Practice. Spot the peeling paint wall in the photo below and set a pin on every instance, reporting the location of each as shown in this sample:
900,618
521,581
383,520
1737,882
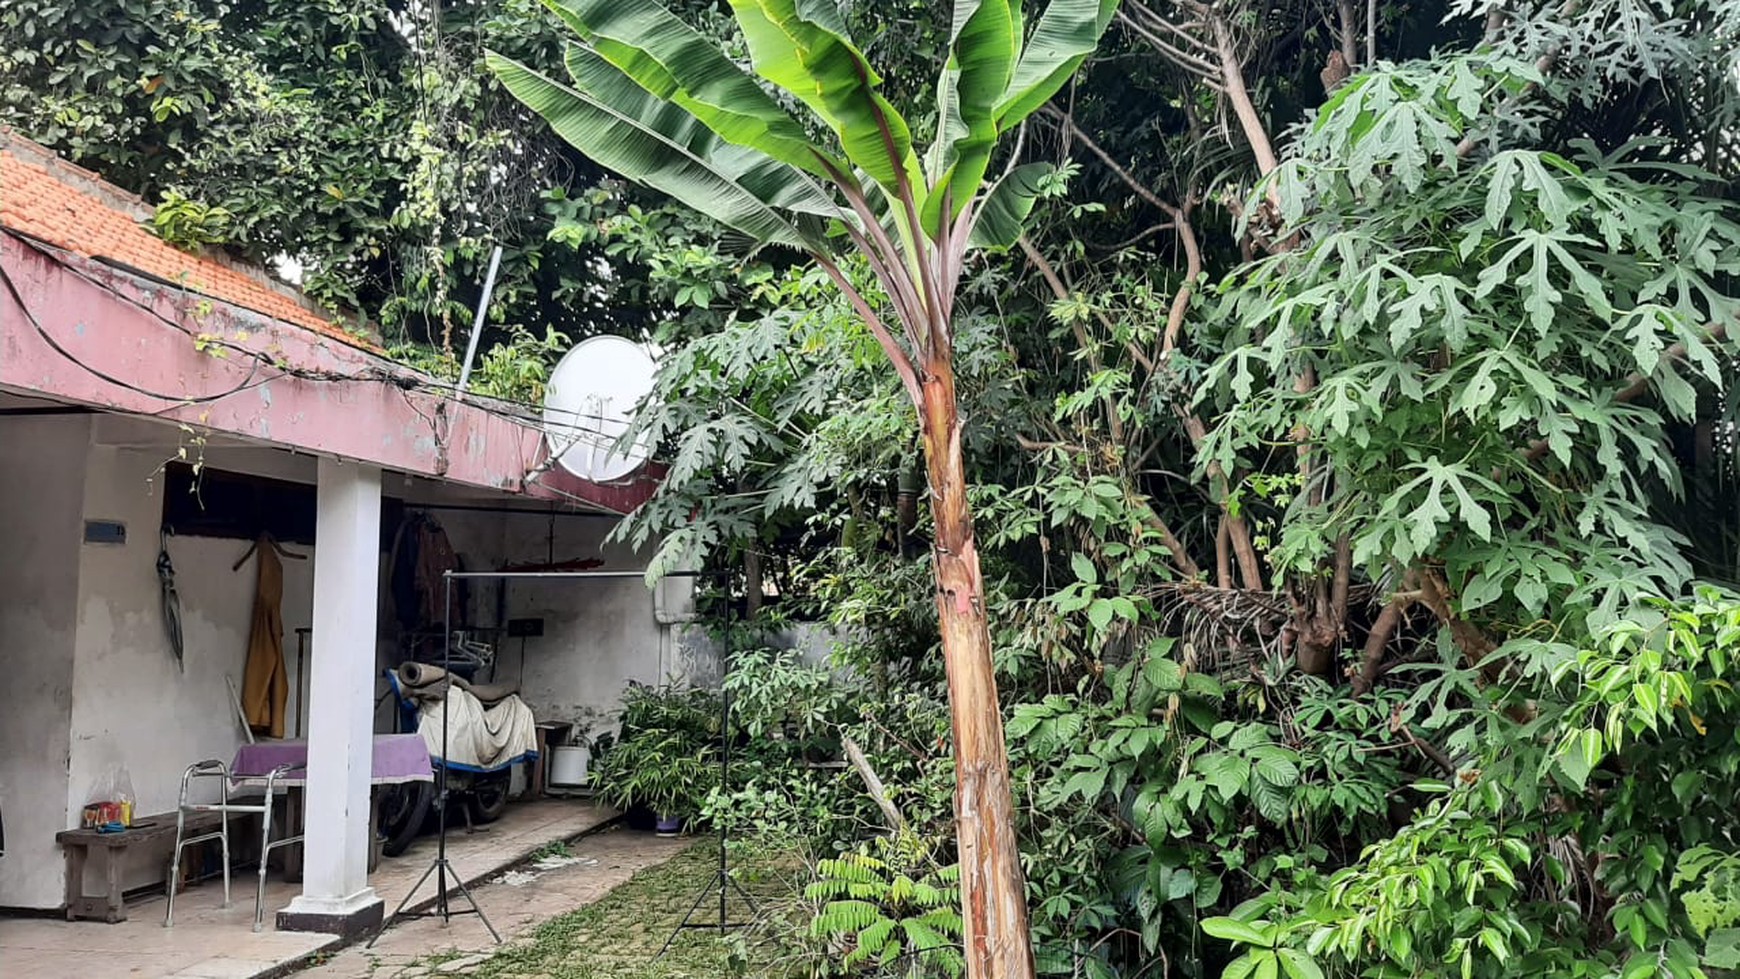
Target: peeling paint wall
133,709
40,523
599,633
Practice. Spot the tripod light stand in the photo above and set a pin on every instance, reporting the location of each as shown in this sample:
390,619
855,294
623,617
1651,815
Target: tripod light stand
721,878
440,868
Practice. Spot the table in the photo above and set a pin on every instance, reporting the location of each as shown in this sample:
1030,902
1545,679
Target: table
398,758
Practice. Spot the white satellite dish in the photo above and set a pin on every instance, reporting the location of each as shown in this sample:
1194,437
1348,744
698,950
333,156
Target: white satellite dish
589,403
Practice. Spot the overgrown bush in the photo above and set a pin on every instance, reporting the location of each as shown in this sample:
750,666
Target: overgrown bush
666,756
1329,488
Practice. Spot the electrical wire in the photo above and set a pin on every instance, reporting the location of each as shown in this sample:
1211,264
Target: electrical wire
574,421
54,345
399,376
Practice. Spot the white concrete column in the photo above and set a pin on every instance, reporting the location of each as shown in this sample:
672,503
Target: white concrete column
336,896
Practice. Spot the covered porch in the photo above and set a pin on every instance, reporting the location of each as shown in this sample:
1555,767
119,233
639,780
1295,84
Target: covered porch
160,407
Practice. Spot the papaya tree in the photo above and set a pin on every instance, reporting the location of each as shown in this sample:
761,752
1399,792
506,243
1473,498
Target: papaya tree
654,100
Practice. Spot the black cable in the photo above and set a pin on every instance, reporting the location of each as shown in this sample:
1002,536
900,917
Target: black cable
54,344
405,382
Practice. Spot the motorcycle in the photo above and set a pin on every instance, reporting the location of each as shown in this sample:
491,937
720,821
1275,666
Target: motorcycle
481,793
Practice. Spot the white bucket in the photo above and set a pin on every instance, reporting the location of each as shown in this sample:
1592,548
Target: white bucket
568,765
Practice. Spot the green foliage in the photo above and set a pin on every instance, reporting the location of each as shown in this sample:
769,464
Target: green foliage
665,757
1457,315
755,415
360,140
637,56
890,913
775,692
188,223
517,369
1474,339
1492,878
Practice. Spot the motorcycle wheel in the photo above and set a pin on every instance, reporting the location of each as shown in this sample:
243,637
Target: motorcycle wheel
403,809
488,798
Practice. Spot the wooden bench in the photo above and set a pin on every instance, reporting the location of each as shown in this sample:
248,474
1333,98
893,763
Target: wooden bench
79,842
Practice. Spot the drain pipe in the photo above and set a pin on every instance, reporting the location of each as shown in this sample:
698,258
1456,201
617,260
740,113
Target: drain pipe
477,323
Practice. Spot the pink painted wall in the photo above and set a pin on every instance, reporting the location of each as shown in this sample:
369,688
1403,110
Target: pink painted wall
129,344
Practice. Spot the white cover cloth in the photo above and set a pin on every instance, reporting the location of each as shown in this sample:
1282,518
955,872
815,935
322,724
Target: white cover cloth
481,740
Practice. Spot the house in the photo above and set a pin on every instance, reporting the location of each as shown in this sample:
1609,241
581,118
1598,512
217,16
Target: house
154,401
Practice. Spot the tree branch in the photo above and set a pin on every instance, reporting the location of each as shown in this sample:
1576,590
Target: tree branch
1181,299
1375,643
1233,79
1049,274
1543,64
1348,33
1135,239
1342,581
1141,190
1180,556
1371,663
1473,643
1180,222
1156,22
873,785
1250,569
1196,64
1371,22
1427,748
1223,553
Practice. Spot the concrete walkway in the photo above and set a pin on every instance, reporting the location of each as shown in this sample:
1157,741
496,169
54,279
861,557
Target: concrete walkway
515,902
212,942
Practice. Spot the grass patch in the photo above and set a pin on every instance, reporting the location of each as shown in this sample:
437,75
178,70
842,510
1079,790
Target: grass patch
554,849
618,936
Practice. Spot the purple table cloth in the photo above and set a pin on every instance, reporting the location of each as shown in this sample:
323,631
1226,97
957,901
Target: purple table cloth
397,758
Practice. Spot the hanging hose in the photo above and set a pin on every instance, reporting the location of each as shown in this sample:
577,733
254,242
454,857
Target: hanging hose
170,599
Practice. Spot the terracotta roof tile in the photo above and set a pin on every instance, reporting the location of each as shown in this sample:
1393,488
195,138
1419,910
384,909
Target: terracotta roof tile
56,202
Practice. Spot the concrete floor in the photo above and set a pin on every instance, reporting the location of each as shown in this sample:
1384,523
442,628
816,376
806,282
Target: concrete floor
211,942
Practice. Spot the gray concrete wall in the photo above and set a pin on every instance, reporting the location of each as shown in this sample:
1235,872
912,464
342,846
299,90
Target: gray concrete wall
598,634
814,641
134,709
40,526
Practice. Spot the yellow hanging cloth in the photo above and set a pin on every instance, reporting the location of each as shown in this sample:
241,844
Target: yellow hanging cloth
265,683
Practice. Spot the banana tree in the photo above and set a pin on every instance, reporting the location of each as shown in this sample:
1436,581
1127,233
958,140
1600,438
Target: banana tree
654,100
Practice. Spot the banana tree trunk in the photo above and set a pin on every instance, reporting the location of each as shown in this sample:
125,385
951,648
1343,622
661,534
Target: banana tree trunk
993,891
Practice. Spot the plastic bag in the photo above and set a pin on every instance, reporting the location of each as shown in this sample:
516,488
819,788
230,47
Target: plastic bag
111,798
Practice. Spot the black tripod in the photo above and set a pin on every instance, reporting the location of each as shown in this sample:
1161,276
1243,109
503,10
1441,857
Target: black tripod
721,879
440,868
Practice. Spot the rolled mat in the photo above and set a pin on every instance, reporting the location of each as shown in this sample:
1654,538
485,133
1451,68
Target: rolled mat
424,680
